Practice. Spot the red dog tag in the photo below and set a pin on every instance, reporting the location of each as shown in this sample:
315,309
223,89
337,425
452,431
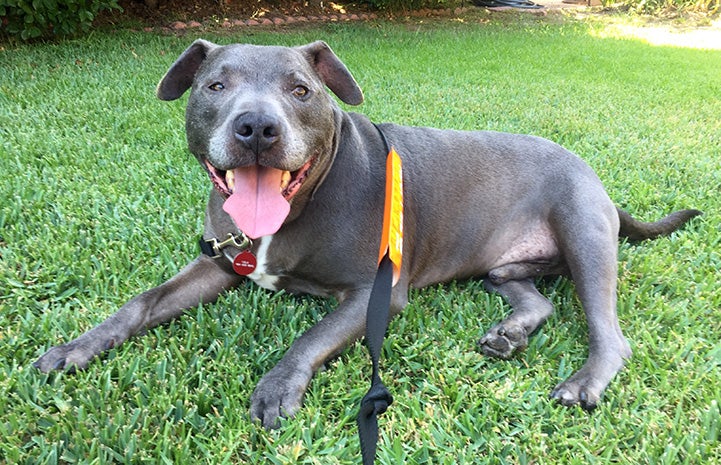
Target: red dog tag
244,263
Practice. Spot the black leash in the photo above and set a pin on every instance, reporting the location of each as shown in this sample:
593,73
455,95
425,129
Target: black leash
509,3
378,398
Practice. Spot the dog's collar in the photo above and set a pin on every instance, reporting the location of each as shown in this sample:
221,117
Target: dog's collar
383,138
213,247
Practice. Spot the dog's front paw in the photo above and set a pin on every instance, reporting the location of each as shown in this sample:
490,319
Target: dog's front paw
503,340
69,357
278,394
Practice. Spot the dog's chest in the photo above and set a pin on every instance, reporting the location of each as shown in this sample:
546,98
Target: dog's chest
274,272
260,274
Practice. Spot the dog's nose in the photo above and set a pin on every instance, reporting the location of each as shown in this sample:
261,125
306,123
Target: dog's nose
256,131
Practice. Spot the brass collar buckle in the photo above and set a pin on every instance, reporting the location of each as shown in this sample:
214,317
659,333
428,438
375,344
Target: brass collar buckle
213,247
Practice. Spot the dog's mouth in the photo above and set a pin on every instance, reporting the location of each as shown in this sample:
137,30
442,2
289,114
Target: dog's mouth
258,197
290,181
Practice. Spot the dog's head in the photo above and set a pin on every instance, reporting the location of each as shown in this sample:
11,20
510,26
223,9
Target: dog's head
261,122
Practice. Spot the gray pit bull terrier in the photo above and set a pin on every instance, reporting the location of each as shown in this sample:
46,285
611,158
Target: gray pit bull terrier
299,196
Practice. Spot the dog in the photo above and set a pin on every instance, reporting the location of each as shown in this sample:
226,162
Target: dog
298,203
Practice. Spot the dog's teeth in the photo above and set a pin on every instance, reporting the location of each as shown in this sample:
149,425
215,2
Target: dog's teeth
230,180
284,180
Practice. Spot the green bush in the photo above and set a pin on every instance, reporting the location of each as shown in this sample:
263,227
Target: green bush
656,7
31,19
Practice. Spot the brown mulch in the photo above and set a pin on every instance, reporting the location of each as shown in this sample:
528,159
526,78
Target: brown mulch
163,13
183,14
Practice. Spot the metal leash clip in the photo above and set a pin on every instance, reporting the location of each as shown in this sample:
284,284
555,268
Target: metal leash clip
241,241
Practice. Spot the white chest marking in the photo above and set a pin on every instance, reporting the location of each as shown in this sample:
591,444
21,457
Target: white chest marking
259,275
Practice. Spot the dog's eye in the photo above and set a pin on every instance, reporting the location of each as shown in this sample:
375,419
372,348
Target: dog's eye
216,86
300,92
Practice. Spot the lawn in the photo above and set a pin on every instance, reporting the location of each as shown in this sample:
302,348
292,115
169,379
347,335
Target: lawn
100,200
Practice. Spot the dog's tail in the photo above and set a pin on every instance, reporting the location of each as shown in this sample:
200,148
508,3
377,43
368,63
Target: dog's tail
636,230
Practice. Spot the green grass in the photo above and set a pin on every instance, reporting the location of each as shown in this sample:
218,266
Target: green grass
100,200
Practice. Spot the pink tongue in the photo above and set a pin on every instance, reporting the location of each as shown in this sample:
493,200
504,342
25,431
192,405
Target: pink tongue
257,205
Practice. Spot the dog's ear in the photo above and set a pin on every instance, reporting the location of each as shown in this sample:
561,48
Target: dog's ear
333,72
180,76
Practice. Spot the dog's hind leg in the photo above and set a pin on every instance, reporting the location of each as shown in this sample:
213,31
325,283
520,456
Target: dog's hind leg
530,310
591,254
